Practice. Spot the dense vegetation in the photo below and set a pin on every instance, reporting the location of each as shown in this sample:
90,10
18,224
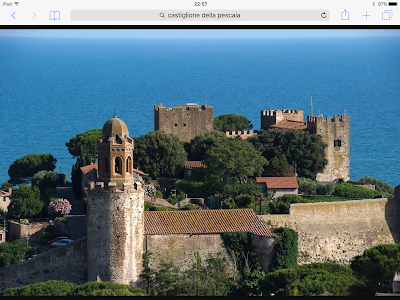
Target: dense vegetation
159,154
24,202
293,148
14,252
231,122
22,169
63,288
385,189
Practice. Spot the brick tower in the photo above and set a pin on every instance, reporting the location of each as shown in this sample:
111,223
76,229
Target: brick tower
115,227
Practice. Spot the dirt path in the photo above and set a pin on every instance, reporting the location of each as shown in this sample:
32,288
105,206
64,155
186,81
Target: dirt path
76,220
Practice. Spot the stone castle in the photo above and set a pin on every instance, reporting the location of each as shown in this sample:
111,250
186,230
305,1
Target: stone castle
119,231
187,121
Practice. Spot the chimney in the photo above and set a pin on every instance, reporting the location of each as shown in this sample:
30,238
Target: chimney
10,190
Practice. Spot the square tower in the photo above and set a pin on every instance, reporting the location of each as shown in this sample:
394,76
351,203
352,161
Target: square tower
272,117
335,133
184,121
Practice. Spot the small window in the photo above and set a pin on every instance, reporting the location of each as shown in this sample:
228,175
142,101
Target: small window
337,143
184,124
4,198
176,125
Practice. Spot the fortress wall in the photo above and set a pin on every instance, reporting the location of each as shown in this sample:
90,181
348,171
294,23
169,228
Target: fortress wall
339,231
181,248
66,263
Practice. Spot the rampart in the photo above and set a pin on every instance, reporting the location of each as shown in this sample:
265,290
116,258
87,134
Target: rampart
339,231
67,263
244,134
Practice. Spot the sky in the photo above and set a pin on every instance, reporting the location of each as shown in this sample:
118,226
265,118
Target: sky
196,33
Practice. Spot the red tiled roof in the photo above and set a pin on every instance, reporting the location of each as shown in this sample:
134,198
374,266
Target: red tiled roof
96,166
290,124
89,167
194,164
279,182
138,171
204,222
3,193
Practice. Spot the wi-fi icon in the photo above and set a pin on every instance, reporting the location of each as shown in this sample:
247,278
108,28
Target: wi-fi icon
16,3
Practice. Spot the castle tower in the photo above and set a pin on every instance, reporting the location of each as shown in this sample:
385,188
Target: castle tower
272,117
115,226
335,133
184,121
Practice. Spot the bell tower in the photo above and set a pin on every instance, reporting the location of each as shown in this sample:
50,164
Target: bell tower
115,224
115,153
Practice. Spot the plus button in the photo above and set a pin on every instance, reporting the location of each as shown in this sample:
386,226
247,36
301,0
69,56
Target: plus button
366,15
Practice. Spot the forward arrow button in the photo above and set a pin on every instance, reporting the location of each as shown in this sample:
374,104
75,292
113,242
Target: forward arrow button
34,15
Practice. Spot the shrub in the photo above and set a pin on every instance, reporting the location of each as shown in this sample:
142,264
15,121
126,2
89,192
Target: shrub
106,289
307,186
286,248
325,188
282,204
382,187
46,288
355,192
59,207
14,252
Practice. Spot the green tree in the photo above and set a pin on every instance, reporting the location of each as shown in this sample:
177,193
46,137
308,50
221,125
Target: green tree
232,161
239,201
45,179
106,289
230,122
201,143
22,169
84,144
14,252
377,265
159,154
24,202
382,187
304,150
314,279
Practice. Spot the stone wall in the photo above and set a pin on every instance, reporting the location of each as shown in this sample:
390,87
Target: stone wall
181,248
67,263
340,230
21,231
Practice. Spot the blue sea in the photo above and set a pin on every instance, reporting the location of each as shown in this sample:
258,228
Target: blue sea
54,88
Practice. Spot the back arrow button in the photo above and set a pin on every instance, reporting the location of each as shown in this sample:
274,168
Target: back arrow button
13,15
34,15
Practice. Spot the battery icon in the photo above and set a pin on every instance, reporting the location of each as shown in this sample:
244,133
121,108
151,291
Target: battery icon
392,3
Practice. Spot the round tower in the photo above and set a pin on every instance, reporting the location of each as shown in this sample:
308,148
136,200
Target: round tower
115,227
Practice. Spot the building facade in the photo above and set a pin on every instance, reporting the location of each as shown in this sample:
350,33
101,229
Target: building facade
184,121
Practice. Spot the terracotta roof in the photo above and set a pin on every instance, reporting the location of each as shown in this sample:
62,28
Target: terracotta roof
3,193
138,171
290,124
204,222
279,182
194,164
96,166
89,167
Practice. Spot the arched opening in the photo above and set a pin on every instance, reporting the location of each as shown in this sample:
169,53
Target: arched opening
118,140
129,165
106,165
118,166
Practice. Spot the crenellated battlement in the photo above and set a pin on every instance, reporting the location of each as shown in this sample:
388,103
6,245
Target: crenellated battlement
244,134
320,118
124,188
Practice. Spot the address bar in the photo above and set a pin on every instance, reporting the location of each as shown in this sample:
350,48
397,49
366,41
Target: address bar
199,15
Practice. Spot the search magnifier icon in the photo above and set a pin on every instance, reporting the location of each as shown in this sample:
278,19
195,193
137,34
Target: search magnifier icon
162,15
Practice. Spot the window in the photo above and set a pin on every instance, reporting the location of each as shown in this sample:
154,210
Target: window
337,143
129,165
4,198
118,166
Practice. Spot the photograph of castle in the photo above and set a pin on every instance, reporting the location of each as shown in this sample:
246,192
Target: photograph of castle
200,162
